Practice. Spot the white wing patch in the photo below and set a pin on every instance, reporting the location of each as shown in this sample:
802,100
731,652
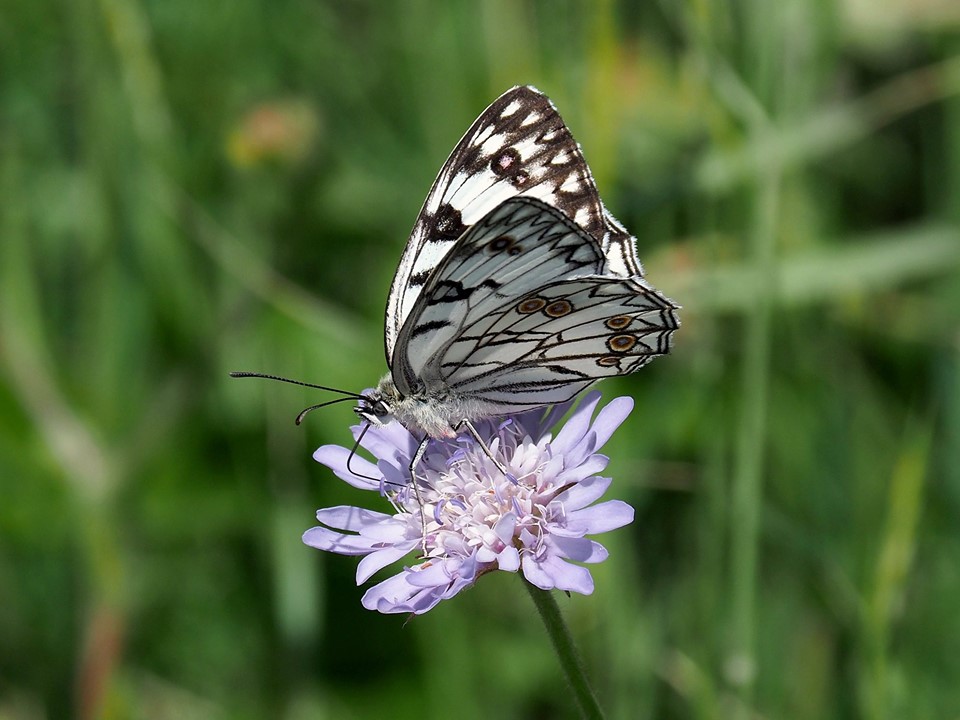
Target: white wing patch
530,119
511,108
492,144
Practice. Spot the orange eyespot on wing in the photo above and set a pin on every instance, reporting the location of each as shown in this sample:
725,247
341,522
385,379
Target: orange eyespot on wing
559,308
621,343
618,322
531,305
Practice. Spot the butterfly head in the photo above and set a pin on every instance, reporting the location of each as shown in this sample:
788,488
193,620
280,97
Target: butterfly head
376,406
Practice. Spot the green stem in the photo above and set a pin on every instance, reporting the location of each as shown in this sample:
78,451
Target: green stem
566,652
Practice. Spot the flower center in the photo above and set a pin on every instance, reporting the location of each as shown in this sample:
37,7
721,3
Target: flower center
468,503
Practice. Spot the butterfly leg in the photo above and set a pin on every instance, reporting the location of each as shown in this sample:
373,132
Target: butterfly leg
465,423
417,457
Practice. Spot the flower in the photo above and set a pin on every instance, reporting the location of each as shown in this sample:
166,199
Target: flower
534,517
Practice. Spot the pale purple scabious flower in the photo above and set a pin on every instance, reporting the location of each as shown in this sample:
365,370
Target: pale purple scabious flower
477,519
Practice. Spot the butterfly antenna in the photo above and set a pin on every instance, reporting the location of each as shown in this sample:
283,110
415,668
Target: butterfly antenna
355,396
303,413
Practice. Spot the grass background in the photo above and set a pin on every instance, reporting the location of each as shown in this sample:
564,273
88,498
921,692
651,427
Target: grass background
188,188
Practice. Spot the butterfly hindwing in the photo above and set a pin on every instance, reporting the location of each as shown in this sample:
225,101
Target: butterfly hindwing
518,146
547,346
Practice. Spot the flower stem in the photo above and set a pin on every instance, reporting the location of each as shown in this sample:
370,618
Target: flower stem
566,652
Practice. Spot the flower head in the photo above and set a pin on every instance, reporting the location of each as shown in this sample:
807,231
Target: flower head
534,517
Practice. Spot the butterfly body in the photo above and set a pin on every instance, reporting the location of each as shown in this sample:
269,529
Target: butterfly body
433,412
517,288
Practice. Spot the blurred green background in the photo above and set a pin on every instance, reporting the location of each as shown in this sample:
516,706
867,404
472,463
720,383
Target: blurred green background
189,188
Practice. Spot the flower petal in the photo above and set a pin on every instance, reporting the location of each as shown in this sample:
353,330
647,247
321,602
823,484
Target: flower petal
551,572
578,549
611,417
505,527
535,574
538,423
390,442
553,468
577,425
486,555
582,450
608,515
417,591
336,458
393,476
325,539
569,577
509,559
347,517
431,574
591,466
583,493
380,559
394,531
394,595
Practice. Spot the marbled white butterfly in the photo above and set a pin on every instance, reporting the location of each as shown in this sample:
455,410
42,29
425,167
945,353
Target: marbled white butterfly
517,288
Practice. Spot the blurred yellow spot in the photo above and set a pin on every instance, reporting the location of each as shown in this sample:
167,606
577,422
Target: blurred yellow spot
281,132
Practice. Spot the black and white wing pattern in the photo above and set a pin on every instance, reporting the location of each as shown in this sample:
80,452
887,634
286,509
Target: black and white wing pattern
519,146
523,312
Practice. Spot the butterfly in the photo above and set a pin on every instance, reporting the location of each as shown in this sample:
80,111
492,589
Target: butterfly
517,288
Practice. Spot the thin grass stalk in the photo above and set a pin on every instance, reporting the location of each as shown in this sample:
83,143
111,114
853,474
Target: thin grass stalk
748,469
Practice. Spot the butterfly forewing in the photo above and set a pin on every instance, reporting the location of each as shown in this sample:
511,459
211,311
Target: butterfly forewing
519,146
520,245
